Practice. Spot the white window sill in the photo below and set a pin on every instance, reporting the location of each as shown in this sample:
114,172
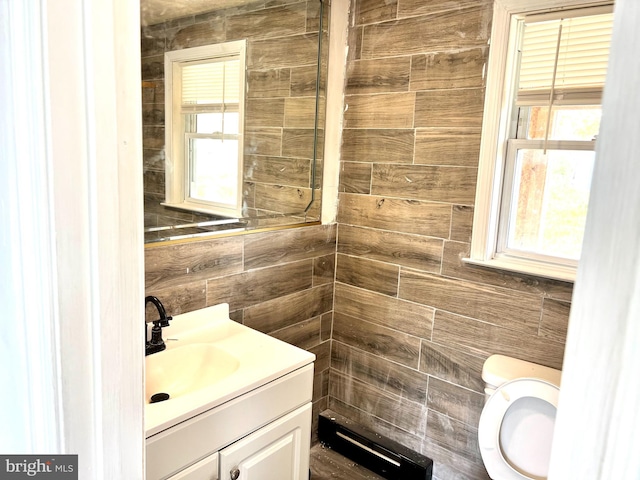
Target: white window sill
198,208
518,265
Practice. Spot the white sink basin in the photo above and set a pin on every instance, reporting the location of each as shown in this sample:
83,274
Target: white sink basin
209,360
185,369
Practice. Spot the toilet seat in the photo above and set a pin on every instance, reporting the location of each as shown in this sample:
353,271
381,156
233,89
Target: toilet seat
532,403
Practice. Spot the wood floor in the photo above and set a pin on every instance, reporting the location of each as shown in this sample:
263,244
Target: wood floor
327,464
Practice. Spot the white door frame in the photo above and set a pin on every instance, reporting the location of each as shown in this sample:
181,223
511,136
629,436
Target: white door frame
71,220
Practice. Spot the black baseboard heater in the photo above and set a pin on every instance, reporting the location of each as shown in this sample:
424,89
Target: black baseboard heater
381,455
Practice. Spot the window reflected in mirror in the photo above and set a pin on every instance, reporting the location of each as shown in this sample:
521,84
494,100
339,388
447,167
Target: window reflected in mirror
233,139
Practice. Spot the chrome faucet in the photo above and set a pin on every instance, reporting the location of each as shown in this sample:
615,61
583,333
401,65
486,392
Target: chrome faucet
156,344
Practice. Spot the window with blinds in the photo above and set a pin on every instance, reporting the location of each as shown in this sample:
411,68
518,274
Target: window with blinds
204,118
564,60
211,87
537,156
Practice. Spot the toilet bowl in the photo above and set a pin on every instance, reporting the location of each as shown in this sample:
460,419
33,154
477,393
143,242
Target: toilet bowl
517,421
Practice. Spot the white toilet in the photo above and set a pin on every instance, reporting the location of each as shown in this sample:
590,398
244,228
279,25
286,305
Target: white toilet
516,424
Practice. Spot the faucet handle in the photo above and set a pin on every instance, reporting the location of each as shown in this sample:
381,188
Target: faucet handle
163,322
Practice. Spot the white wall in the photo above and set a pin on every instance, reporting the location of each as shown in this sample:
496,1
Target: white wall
598,423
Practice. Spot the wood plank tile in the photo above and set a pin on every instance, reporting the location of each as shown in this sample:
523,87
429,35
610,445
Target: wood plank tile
450,30
153,159
303,81
408,216
298,142
153,137
449,465
278,21
324,269
305,334
313,17
452,365
294,172
555,320
151,43
153,67
183,20
515,310
355,177
453,435
382,341
380,373
282,199
173,265
182,298
300,112
419,7
455,402
461,223
485,339
414,251
461,69
378,145
393,110
153,182
320,385
263,141
292,51
425,182
326,326
380,75
403,413
154,92
360,272
152,114
272,248
264,112
281,312
452,266
198,34
383,310
373,11
274,82
250,288
448,146
323,356
450,108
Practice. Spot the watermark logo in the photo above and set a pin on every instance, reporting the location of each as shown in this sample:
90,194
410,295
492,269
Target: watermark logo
50,467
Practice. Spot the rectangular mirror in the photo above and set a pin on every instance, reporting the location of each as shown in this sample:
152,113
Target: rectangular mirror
233,108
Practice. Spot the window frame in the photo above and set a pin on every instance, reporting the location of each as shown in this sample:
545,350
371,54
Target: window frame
499,120
177,166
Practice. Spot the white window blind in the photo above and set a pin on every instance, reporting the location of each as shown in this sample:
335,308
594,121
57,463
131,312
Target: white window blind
576,49
211,86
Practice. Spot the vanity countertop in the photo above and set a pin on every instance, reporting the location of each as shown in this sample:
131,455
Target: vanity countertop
261,359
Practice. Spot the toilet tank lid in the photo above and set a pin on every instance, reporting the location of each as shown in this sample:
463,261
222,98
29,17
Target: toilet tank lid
499,369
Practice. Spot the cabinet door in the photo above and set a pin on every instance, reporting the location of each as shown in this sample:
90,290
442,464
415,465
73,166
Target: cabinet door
278,451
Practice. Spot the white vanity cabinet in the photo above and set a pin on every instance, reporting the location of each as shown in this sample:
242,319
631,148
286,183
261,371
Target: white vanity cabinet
263,434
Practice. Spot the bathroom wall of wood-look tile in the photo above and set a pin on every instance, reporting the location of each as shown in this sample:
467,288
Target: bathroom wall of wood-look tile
413,324
282,57
279,282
